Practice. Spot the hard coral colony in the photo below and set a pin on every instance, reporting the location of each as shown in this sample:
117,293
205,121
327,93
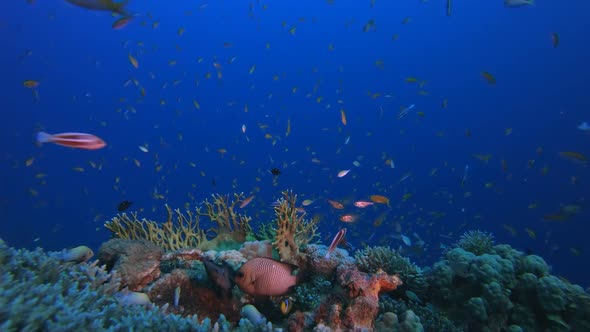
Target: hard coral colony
177,276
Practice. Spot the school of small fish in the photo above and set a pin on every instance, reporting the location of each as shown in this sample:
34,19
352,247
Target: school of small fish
390,195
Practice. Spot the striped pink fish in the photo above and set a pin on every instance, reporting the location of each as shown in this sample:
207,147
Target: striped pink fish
265,277
72,140
338,238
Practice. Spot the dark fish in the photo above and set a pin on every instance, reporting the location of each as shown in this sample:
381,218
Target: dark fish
275,171
124,205
222,275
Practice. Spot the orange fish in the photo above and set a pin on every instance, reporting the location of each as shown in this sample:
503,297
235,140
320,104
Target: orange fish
343,117
336,205
246,201
72,140
31,84
380,199
133,61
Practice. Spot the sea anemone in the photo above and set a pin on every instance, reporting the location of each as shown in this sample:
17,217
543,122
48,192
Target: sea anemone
476,242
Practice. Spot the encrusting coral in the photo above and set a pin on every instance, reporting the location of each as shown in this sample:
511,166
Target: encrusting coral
136,261
365,289
293,230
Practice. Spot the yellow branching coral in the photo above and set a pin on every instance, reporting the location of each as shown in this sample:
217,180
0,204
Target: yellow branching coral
179,230
232,227
293,230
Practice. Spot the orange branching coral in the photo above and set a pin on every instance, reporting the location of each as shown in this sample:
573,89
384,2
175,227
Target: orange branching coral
293,230
179,230
231,225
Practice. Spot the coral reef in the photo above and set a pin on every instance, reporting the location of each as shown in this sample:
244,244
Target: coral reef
182,230
179,231
265,232
317,262
476,286
432,319
373,259
309,295
293,230
364,290
390,322
232,229
255,249
136,261
39,293
77,254
476,242
503,288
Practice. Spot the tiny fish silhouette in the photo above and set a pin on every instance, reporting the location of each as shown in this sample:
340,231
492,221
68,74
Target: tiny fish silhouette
124,205
275,171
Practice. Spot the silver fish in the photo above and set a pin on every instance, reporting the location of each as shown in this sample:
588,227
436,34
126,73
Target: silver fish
518,3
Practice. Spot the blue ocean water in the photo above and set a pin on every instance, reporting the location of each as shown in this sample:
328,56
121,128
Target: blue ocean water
271,66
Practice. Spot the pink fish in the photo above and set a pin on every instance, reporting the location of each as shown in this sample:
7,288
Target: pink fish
335,242
72,140
246,202
122,22
362,204
265,277
343,173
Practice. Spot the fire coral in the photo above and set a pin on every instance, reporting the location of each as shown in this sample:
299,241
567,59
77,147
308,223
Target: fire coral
293,230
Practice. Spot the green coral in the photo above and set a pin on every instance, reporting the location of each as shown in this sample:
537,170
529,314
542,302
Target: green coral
476,242
372,259
265,232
